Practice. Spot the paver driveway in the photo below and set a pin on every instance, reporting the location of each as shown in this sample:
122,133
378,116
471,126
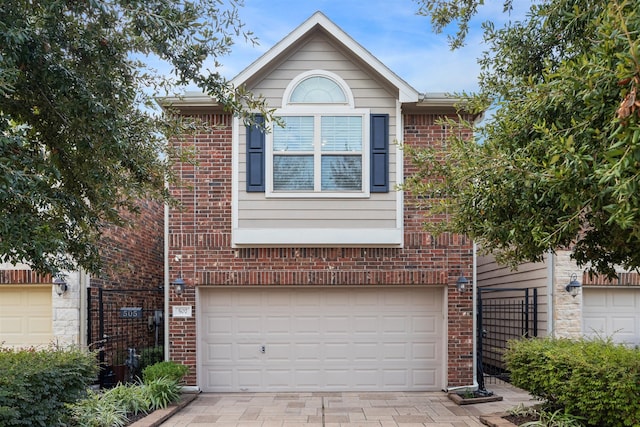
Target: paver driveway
340,409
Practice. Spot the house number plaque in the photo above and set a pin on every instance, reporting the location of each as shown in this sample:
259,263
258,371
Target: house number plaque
182,311
131,312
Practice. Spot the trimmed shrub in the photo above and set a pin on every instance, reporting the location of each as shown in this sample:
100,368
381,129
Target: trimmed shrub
36,385
593,379
171,370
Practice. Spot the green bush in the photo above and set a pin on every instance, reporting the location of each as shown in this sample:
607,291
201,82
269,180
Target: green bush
97,411
129,396
36,385
172,370
593,379
161,392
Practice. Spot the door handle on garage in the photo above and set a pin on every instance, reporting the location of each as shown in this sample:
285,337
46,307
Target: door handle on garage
263,349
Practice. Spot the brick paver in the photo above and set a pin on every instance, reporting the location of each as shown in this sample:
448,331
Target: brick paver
402,409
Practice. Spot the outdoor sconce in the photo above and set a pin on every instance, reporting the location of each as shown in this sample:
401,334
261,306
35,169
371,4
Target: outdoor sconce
179,285
461,283
61,286
574,286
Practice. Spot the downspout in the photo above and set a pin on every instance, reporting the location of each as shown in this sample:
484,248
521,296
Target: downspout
83,315
474,285
166,282
551,260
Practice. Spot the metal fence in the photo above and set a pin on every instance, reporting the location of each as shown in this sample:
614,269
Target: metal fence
504,314
127,328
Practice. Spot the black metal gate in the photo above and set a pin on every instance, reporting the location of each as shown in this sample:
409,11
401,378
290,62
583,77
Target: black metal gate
503,314
127,327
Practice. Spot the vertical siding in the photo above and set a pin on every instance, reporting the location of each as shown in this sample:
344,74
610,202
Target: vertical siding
377,211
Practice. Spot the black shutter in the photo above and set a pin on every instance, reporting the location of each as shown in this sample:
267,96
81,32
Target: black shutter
379,153
255,156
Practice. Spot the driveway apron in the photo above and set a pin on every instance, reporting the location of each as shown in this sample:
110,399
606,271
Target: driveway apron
341,409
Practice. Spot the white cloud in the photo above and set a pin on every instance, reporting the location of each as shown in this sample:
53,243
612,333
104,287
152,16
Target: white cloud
389,29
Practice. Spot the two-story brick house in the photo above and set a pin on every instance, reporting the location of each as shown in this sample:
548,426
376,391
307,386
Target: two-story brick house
305,267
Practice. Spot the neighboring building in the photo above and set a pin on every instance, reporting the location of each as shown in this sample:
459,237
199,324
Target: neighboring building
600,307
33,314
305,268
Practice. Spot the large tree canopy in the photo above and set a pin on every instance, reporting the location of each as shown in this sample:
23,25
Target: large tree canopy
558,164
80,143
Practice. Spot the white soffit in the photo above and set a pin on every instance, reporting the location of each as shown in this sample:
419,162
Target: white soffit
406,92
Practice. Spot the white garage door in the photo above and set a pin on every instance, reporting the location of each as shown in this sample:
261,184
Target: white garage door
612,312
25,315
301,339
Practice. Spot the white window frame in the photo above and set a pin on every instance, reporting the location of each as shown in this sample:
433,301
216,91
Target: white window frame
318,153
317,73
318,110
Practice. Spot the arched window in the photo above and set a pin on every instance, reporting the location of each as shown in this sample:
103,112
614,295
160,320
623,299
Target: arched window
318,90
317,87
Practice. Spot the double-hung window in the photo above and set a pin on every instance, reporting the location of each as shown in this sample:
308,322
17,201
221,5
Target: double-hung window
317,153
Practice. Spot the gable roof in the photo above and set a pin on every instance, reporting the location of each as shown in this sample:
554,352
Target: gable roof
406,93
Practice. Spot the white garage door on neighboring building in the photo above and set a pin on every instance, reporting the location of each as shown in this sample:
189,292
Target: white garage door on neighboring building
612,312
25,315
330,339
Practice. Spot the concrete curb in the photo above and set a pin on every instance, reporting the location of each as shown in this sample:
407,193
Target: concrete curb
159,416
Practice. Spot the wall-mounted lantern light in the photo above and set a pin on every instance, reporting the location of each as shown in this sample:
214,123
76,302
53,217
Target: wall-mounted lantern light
179,285
461,283
574,286
60,286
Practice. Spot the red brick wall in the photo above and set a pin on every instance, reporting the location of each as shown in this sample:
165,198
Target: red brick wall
623,279
133,259
23,276
200,235
133,255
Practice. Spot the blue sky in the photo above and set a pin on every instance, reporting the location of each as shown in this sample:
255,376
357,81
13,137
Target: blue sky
389,29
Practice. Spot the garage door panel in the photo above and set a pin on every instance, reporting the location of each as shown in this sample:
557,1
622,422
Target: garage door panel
395,352
277,379
425,324
307,352
395,324
365,325
337,378
612,312
337,352
425,352
26,315
395,378
307,325
366,379
365,351
337,325
222,377
620,300
277,324
279,352
248,378
327,339
424,377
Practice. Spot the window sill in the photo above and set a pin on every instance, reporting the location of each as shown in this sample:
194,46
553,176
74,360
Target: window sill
318,237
